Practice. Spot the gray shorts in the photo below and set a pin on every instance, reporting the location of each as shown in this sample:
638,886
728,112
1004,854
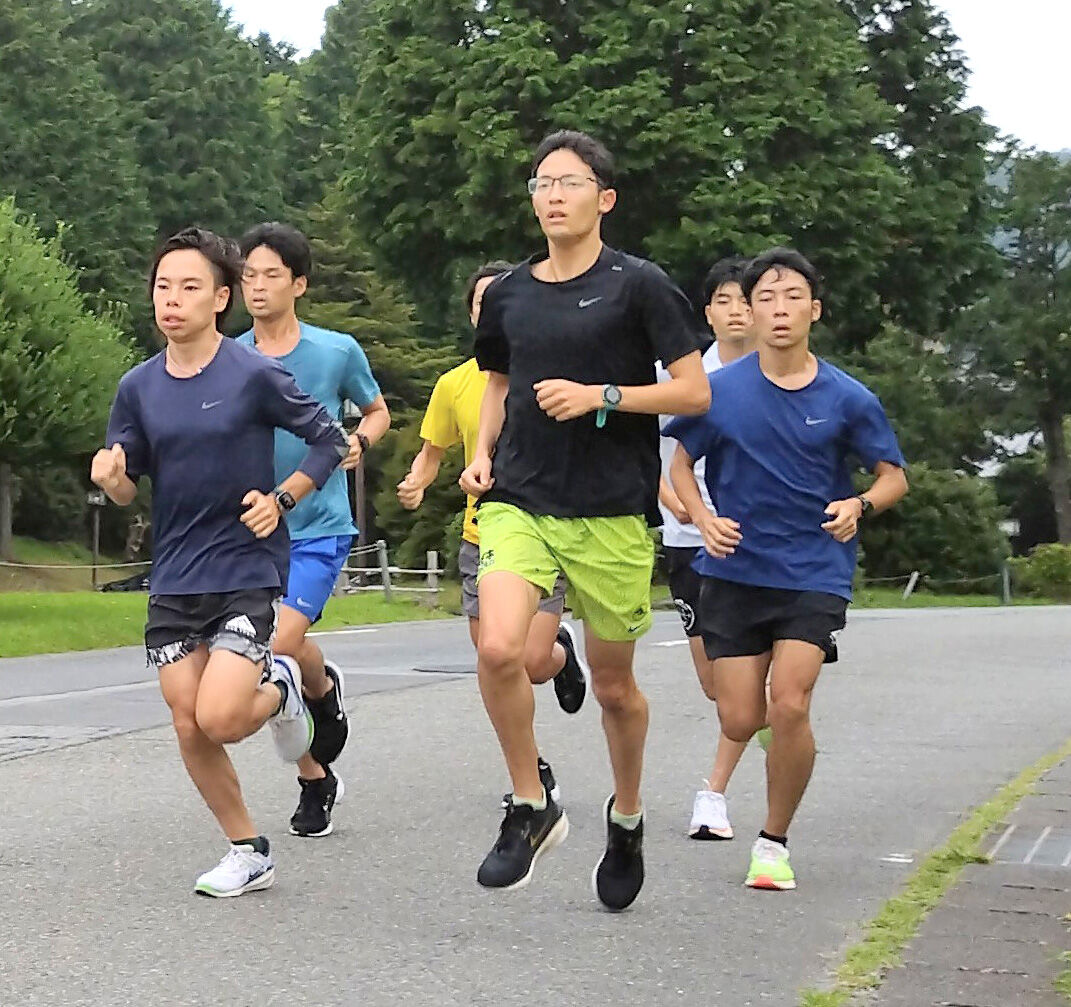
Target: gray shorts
468,561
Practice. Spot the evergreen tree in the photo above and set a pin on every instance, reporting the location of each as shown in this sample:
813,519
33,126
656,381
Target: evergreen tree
191,91
59,362
66,155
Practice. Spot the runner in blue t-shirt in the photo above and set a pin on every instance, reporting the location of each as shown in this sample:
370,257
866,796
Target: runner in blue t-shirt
330,367
779,438
199,420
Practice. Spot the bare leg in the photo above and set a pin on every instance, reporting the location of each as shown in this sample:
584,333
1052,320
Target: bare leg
543,656
206,760
624,716
729,752
790,760
508,604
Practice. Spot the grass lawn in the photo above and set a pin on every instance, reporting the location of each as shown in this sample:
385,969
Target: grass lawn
54,554
50,622
60,618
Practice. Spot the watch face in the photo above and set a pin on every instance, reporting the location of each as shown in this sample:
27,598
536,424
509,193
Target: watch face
612,395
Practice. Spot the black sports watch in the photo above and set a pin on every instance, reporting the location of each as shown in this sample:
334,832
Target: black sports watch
866,502
284,500
364,442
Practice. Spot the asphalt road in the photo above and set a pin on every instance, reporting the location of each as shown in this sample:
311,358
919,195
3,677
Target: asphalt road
927,713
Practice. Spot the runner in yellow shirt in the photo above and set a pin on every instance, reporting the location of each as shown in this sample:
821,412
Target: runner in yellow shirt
453,417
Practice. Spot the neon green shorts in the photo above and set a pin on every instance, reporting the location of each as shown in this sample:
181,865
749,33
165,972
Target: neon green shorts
606,560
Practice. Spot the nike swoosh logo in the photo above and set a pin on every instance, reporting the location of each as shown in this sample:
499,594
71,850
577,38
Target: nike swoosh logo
303,603
814,423
211,405
588,303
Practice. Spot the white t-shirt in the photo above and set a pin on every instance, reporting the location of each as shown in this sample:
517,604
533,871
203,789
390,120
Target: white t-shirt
675,534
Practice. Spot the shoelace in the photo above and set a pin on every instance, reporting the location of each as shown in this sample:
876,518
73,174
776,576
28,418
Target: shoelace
238,858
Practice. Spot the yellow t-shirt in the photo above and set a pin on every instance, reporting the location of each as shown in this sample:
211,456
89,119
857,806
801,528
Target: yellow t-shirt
453,416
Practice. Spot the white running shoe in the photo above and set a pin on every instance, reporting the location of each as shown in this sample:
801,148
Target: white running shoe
291,727
710,816
241,870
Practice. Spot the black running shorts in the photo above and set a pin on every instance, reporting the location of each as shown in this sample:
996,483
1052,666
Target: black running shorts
242,622
739,620
683,585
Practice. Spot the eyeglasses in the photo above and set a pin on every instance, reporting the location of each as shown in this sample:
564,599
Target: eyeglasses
570,183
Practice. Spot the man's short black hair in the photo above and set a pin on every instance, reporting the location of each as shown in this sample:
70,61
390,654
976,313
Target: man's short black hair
285,241
728,270
222,255
784,258
496,267
593,153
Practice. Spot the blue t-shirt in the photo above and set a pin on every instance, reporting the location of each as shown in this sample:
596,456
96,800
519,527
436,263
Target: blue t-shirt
205,442
775,459
330,367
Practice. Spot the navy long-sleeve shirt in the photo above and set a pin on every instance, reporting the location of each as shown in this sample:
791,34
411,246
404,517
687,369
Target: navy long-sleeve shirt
205,442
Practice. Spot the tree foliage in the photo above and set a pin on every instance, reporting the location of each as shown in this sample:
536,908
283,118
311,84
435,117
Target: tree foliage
941,232
65,154
59,362
947,527
191,92
1018,337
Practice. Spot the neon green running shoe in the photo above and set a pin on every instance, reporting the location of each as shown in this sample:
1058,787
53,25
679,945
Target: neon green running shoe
770,868
764,736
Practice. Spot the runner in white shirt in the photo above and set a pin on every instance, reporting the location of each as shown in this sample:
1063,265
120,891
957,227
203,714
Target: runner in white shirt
729,317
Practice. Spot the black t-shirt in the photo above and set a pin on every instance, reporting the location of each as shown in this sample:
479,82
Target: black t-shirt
606,326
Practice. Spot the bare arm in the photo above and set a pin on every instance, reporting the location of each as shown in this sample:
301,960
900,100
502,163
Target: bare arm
492,412
720,534
476,479
888,488
668,499
687,393
421,475
375,422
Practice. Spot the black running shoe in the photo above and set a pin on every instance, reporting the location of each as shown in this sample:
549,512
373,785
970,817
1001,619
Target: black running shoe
332,726
570,684
313,815
618,876
546,777
525,835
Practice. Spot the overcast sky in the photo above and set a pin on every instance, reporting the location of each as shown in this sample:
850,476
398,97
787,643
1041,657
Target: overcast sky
1016,52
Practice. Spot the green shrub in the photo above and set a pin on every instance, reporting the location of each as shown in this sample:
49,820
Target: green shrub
947,527
1045,572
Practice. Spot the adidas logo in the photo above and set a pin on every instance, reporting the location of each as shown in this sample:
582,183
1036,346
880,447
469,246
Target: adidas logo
241,625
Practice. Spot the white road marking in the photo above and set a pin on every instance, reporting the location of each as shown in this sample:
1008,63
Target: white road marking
672,643
341,632
1000,842
1037,846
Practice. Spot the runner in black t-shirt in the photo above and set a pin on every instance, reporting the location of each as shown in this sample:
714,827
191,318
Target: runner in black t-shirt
570,339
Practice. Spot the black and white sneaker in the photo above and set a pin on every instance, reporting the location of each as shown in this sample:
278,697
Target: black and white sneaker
546,777
570,684
329,717
318,797
525,835
618,876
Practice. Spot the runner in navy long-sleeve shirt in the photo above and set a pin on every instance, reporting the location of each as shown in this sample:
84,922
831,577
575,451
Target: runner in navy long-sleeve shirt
199,420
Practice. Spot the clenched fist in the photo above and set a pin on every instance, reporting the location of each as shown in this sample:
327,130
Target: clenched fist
108,467
262,513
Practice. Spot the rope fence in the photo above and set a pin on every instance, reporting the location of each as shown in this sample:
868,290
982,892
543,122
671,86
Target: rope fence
352,577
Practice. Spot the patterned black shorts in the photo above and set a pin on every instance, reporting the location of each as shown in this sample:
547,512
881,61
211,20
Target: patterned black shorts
242,622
